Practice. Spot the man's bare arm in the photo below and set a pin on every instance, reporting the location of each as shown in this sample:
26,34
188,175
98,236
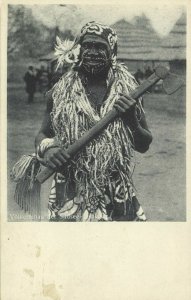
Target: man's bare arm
142,137
46,130
54,157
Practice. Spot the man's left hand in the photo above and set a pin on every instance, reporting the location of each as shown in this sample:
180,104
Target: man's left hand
125,105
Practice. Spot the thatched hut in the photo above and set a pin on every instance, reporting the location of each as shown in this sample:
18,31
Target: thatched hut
50,60
173,48
137,44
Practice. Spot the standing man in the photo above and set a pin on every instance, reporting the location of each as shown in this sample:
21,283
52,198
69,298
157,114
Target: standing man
97,184
30,80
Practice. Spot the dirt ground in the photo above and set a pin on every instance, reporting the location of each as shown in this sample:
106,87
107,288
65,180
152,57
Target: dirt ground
160,174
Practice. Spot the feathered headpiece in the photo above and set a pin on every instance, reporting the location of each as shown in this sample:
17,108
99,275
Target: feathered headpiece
67,52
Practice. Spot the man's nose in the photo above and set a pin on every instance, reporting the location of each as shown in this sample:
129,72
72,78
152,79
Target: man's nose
93,49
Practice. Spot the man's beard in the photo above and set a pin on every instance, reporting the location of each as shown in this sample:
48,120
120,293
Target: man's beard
95,64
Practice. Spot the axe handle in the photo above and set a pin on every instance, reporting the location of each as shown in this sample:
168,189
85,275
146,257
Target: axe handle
99,127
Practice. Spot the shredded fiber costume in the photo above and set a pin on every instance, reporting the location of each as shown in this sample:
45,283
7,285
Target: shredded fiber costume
97,183
102,171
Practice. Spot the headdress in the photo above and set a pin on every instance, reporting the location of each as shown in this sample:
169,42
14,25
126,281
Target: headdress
69,52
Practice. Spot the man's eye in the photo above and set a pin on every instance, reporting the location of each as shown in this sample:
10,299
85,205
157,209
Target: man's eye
102,47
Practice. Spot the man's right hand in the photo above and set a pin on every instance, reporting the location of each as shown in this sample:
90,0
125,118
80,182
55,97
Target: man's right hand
55,158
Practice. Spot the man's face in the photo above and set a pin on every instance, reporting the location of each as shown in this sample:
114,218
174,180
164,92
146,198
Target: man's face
95,54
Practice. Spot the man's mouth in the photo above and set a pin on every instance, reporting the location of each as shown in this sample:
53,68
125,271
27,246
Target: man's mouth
94,61
94,64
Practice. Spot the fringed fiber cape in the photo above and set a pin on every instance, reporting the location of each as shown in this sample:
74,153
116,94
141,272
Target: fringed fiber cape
102,172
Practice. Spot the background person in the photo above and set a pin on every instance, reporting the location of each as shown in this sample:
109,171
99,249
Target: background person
30,80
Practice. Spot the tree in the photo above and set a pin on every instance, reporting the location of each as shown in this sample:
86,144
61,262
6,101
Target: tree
26,36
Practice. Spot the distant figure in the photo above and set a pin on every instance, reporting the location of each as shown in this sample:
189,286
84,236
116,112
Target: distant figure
30,80
148,72
42,79
139,76
38,74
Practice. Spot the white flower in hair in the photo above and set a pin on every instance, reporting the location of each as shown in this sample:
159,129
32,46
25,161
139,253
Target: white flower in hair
66,51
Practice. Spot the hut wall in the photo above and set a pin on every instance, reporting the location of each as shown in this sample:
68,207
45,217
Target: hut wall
133,65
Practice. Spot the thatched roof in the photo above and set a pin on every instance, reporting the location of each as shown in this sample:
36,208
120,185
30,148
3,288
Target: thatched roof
139,41
135,42
174,45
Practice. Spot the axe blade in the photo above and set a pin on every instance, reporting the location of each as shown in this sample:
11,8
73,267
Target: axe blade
172,83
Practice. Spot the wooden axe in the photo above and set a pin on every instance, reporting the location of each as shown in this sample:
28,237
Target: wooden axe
171,83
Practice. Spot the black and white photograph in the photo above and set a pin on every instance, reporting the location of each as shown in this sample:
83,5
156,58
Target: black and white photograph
96,113
95,147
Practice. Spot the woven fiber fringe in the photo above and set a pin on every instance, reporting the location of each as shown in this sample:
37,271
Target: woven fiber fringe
108,160
27,191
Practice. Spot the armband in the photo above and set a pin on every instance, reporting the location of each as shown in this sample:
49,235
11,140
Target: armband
44,146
